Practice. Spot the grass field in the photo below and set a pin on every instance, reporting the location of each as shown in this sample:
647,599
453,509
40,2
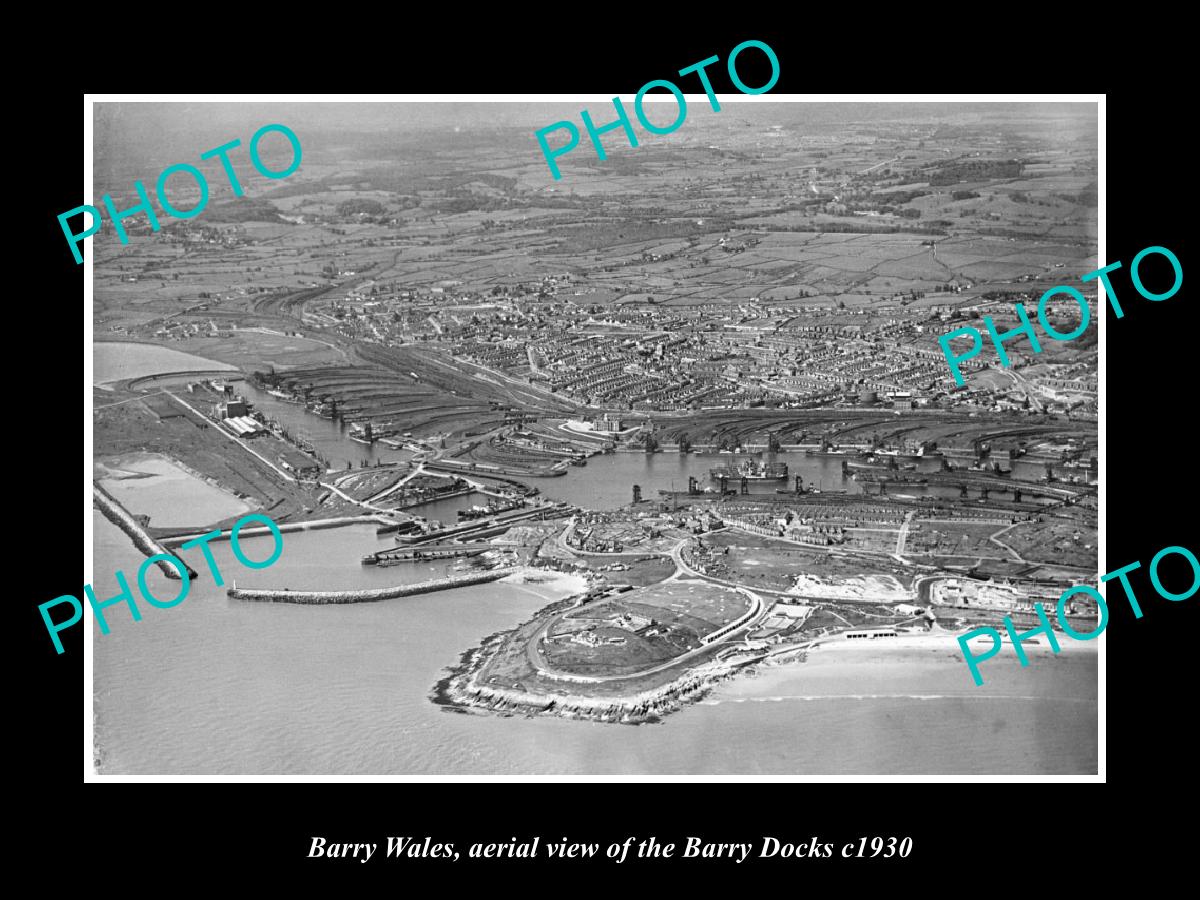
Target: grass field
640,629
757,561
257,350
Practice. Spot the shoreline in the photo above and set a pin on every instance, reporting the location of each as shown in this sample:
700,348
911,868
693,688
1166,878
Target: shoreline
550,585
458,690
120,468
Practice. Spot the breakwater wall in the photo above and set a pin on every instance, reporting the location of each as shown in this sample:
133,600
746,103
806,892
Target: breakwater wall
145,381
370,596
175,540
115,513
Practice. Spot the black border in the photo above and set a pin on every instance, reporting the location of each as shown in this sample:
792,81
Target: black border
958,829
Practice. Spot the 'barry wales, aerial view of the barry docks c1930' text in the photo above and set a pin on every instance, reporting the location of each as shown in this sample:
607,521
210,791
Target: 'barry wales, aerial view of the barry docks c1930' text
655,468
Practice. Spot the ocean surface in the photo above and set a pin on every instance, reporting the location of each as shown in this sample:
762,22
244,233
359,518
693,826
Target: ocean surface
223,687
215,686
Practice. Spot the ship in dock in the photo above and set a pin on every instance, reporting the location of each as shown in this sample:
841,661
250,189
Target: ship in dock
889,477
285,396
752,470
492,508
870,463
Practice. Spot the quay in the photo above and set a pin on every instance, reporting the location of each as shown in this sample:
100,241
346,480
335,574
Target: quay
175,537
398,528
445,495
490,471
421,552
492,525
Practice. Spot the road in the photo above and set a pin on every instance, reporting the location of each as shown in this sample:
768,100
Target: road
419,470
995,539
366,504
903,535
677,555
530,393
127,400
879,165
537,658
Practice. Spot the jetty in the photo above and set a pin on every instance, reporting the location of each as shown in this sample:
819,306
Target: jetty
370,596
142,539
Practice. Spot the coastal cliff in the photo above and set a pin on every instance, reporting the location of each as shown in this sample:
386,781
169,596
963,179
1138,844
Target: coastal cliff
461,689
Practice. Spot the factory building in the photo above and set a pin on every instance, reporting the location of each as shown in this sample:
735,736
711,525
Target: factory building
232,409
243,426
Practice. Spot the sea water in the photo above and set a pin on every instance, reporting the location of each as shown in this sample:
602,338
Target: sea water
218,686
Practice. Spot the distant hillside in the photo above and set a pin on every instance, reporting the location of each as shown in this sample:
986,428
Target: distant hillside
243,210
363,205
973,170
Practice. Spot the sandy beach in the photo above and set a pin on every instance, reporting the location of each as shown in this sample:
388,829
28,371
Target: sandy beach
547,584
166,490
924,666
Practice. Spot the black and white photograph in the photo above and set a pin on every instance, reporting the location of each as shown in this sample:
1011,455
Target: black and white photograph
733,435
